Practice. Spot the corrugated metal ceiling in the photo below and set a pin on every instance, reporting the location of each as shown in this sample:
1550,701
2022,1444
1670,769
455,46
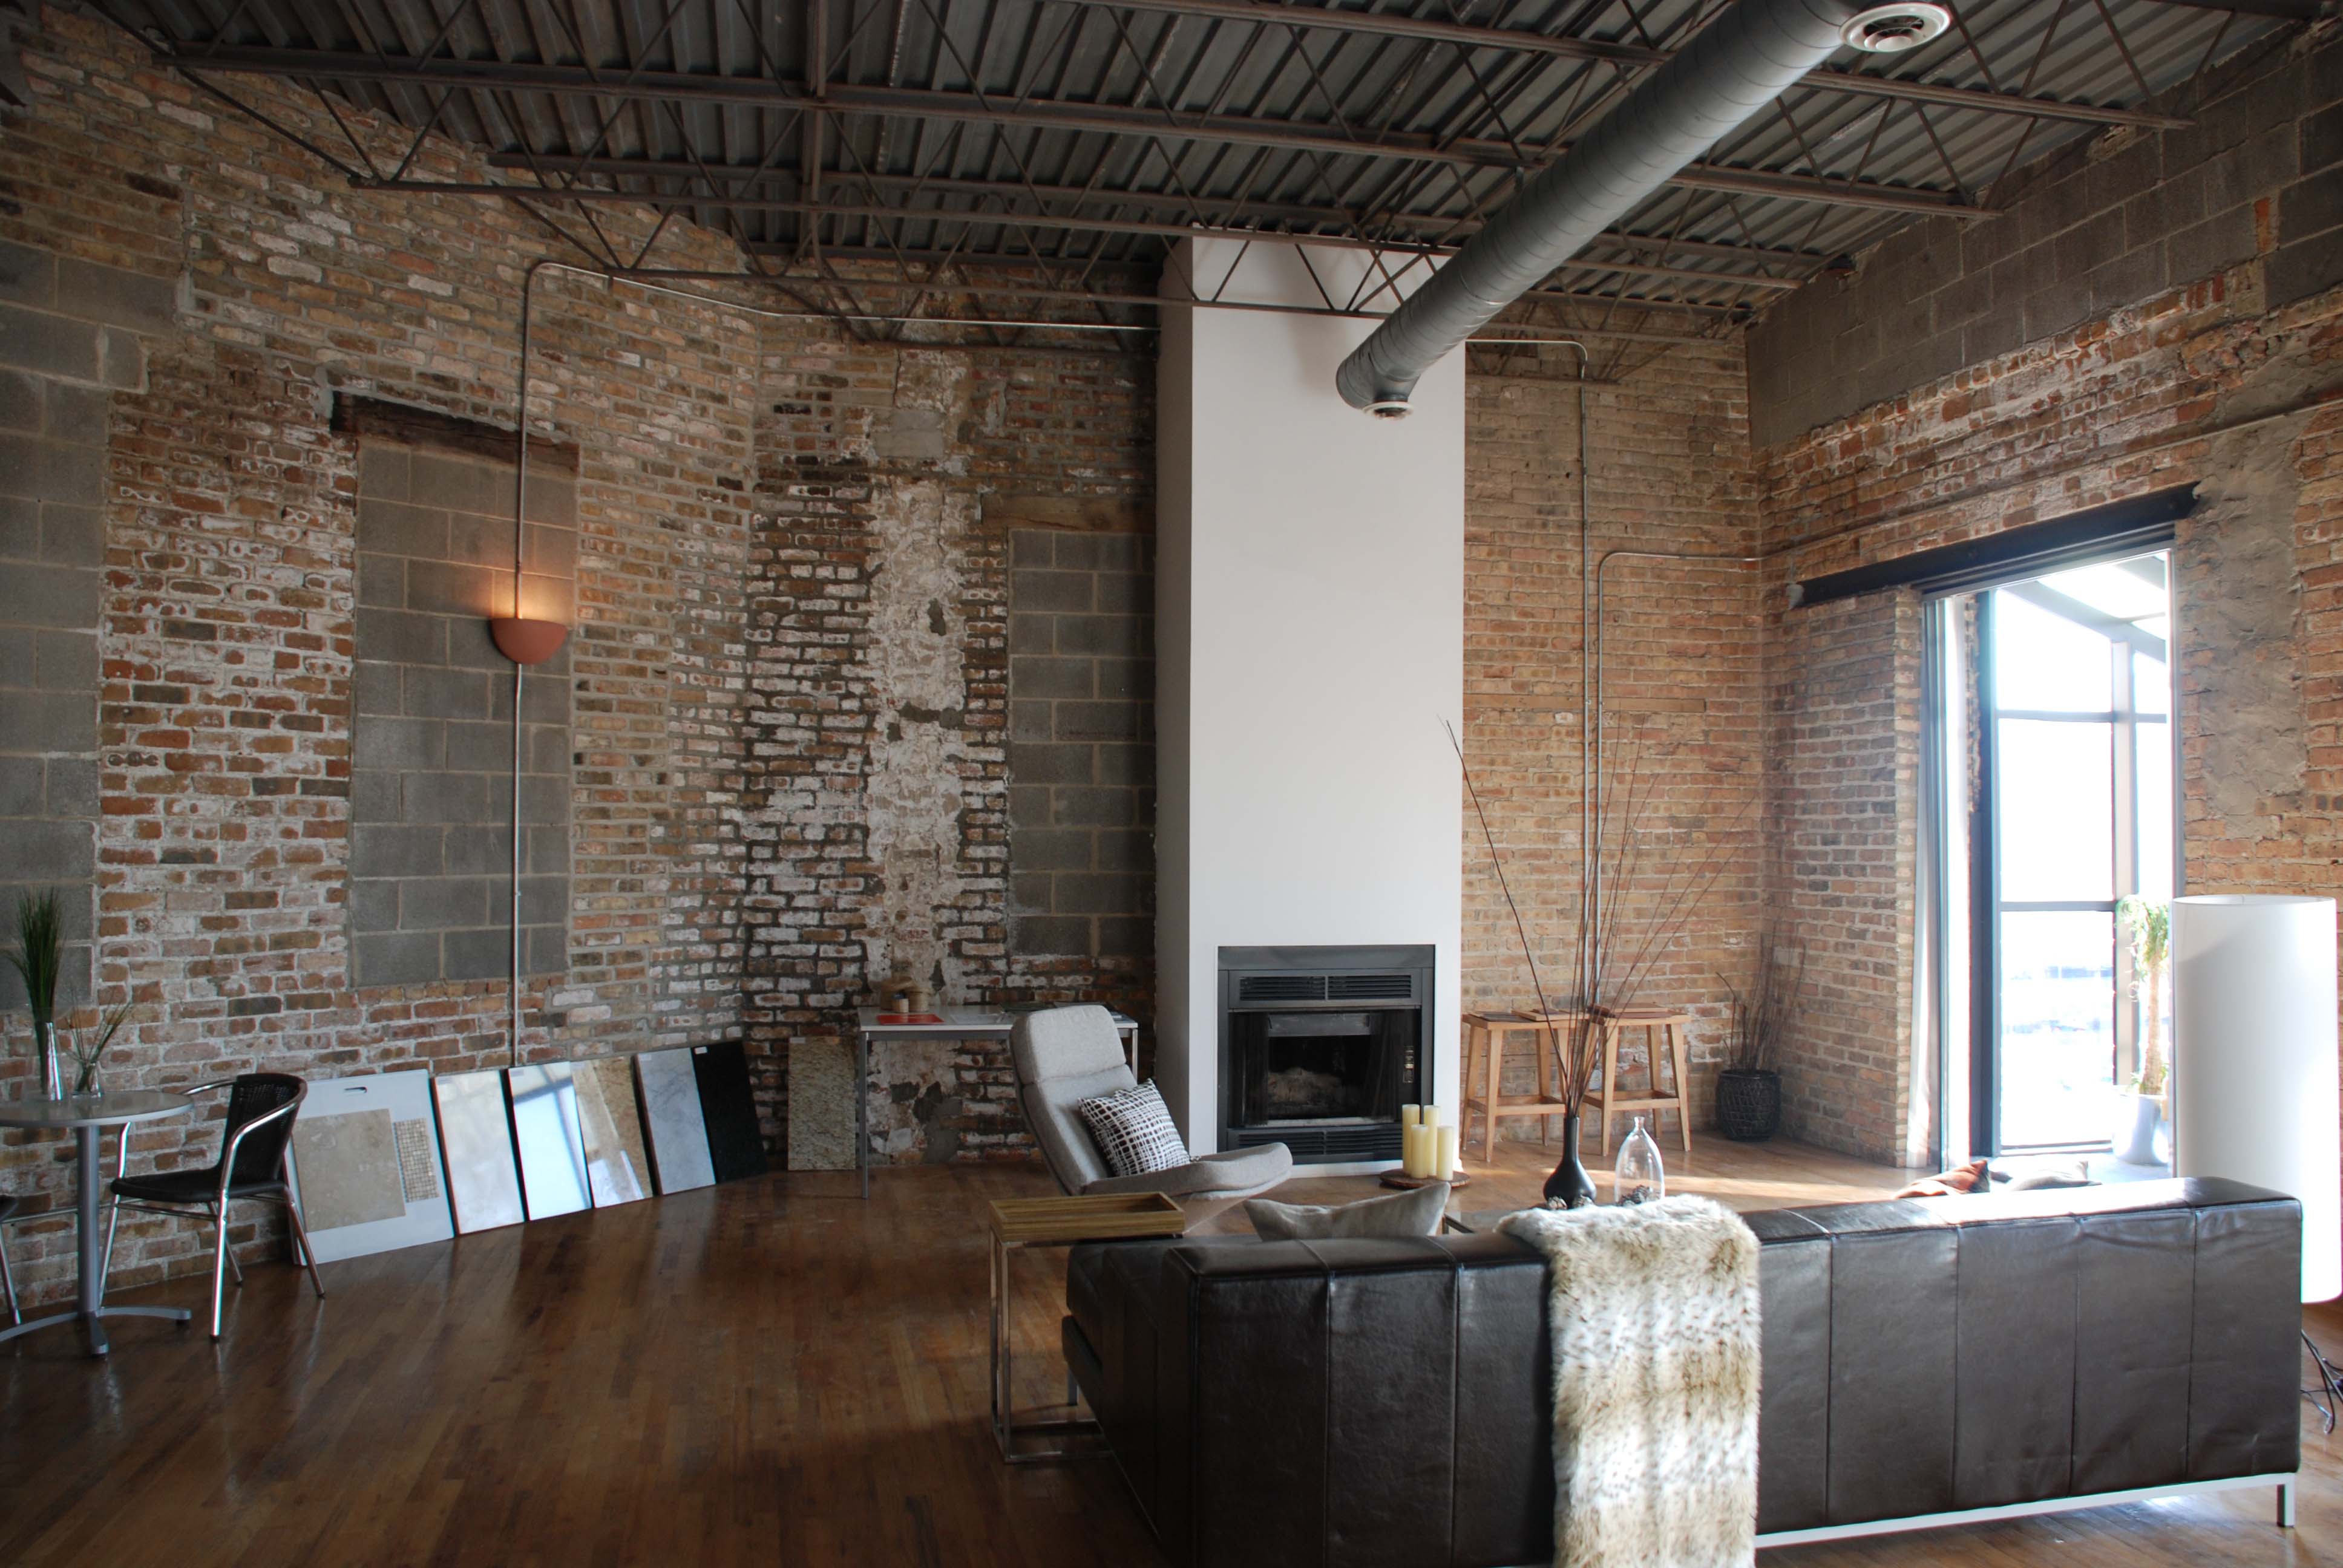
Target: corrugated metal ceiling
1108,128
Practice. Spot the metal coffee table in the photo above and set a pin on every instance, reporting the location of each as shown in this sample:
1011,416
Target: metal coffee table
88,1115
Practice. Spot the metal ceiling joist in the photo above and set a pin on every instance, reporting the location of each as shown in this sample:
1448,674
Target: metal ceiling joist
1059,221
684,86
1204,206
1467,35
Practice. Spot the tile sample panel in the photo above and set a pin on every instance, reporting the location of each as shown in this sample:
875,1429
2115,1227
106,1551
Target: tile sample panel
735,1147
618,1164
671,1092
483,1182
367,1166
545,1131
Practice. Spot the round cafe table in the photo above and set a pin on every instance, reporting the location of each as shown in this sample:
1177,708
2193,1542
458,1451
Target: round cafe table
89,1115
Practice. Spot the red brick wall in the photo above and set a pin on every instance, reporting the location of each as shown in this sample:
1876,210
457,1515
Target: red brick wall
1681,660
227,619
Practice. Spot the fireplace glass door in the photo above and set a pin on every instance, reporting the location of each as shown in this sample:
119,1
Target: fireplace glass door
1316,1067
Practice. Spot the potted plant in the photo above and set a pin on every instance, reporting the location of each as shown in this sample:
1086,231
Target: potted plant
38,959
1748,1092
2139,1109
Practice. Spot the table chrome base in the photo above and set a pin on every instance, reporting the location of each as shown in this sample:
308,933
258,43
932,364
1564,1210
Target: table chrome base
94,1323
1016,1437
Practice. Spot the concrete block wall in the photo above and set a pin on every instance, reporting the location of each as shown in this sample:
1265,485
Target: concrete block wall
70,332
2106,222
890,485
431,793
1081,742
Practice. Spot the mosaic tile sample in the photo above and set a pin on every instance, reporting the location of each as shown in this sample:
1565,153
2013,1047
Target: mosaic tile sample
618,1165
736,1149
483,1182
366,1167
545,1131
671,1092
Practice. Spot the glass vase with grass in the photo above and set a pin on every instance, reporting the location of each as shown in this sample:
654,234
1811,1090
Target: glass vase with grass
39,959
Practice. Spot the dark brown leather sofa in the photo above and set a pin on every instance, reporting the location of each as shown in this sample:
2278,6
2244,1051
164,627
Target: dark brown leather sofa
1358,1402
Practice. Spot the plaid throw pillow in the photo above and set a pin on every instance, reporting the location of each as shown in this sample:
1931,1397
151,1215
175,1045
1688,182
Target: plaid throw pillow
1132,1128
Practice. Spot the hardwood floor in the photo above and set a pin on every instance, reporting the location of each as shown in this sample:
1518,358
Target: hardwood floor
767,1372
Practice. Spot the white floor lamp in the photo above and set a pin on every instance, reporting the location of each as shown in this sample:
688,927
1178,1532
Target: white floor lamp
2255,1096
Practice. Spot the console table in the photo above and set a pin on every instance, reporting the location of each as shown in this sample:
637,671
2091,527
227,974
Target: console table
954,1023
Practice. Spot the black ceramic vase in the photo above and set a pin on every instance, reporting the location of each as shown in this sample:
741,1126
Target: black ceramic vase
1570,1186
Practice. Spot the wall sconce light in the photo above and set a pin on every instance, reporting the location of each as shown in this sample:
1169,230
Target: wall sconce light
527,641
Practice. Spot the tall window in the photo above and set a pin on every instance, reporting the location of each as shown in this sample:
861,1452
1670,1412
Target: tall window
2082,774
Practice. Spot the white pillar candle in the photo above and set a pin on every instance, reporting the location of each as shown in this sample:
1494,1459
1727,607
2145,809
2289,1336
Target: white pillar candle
1444,1162
1409,1114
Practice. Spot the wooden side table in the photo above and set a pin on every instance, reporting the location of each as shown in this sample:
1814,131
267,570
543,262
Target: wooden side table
1663,1030
1486,1035
1018,1223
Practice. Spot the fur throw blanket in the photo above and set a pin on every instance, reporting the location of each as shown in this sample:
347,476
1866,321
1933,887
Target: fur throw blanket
1655,1369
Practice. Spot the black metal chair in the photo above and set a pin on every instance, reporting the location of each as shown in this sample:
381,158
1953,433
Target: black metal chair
8,1280
252,1165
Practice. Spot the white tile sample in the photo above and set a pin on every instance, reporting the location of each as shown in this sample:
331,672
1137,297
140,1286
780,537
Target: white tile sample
483,1182
618,1165
545,1132
671,1092
365,1165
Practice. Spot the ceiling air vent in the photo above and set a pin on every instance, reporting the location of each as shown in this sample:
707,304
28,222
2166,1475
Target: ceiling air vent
1281,988
1369,987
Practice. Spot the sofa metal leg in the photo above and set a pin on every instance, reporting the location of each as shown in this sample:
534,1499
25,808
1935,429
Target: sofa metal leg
2286,1504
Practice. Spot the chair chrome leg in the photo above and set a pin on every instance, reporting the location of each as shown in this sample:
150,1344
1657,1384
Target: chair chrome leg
301,1245
220,1216
219,1266
8,1280
114,1204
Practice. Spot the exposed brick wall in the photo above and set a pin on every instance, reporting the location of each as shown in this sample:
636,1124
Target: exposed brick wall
889,484
227,624
2219,381
1680,667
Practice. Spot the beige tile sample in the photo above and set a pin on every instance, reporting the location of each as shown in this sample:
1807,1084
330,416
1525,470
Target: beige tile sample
349,1169
618,1166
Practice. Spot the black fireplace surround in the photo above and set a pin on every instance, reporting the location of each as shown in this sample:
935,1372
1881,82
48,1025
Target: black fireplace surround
1321,1046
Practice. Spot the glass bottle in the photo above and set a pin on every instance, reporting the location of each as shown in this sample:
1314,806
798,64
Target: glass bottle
1640,1176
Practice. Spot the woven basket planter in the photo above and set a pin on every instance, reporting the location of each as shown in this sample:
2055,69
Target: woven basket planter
1748,1104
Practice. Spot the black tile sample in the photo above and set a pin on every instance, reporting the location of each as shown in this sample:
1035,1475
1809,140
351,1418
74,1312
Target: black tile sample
735,1145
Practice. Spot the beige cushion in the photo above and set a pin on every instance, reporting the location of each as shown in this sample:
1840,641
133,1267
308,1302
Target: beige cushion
1415,1214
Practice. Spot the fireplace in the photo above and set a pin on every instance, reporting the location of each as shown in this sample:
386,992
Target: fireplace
1320,1047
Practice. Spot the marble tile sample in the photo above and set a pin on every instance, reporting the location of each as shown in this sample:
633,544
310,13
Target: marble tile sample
545,1132
365,1165
671,1092
483,1182
352,1167
618,1166
736,1148
822,1104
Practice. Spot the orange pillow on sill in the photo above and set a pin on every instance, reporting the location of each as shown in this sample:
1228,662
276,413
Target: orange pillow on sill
1966,1177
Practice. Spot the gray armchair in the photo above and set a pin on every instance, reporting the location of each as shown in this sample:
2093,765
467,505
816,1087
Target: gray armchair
1070,1054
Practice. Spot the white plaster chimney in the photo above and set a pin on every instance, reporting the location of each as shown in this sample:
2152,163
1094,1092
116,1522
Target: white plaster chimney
1310,624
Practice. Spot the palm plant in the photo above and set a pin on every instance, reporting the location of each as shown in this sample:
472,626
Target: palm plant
38,960
2149,922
